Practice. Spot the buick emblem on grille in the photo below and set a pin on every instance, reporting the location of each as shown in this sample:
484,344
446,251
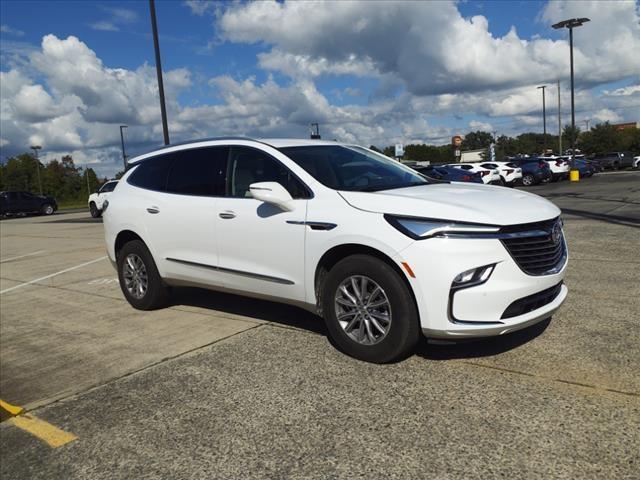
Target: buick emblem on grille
556,234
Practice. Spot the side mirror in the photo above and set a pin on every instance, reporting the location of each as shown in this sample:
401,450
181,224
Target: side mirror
273,193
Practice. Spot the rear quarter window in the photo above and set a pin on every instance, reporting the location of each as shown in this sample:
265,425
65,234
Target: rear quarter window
151,174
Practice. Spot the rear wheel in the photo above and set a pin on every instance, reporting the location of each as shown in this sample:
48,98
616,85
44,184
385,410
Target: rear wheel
369,310
528,179
47,209
95,213
140,281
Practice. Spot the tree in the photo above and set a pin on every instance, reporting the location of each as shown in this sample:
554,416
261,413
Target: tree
375,149
601,139
477,140
568,134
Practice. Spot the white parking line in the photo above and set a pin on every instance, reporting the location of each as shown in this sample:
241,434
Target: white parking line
30,282
22,256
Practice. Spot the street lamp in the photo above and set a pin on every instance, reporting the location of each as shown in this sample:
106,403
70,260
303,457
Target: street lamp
544,118
571,24
124,156
35,149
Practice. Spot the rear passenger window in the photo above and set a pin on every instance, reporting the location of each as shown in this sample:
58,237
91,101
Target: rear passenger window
249,165
152,173
199,172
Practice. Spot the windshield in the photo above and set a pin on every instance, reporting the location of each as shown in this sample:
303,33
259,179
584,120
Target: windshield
353,168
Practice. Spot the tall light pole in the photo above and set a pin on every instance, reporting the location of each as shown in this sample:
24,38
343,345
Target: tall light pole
559,123
586,122
571,24
544,119
156,46
35,149
124,156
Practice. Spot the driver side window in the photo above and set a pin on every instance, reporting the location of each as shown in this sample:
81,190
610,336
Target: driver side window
249,165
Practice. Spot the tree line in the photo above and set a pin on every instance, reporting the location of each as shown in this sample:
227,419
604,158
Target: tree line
602,138
61,179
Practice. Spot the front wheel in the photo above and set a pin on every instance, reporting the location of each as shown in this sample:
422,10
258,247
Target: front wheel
47,209
528,180
369,310
140,281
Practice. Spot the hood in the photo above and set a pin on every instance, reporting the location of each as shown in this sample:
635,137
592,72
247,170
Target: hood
461,202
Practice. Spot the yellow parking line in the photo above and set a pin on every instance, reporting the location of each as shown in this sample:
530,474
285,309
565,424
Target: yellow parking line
46,432
12,409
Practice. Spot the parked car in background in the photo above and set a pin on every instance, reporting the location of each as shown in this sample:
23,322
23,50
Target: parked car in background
534,171
96,199
450,174
615,160
382,253
559,168
510,173
16,203
488,175
585,168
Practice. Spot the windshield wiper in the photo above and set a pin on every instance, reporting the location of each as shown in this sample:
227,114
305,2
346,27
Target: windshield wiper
378,188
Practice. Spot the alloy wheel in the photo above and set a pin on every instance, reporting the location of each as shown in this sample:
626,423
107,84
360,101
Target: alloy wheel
363,309
135,276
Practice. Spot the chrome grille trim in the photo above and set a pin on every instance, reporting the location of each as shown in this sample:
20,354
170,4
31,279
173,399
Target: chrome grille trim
533,247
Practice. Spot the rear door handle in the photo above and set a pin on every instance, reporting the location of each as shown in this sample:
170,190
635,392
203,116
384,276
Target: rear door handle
153,210
227,215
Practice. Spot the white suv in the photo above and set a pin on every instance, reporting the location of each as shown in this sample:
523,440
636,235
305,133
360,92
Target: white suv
558,166
378,250
96,199
510,173
488,175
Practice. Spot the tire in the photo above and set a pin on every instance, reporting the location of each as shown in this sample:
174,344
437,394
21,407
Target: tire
95,213
156,294
528,180
47,209
401,332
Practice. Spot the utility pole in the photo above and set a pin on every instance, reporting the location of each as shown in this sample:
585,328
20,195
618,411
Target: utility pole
124,156
86,170
559,123
587,124
156,46
35,149
571,24
544,119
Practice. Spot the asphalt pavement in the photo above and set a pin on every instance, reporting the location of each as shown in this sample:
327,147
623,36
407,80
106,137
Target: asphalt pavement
219,386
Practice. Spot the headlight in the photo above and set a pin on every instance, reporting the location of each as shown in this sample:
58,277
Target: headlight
421,228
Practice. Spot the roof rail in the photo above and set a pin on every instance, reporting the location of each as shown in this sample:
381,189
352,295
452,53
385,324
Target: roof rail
198,140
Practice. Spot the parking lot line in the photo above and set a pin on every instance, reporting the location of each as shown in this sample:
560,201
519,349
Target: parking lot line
51,435
22,256
30,282
12,409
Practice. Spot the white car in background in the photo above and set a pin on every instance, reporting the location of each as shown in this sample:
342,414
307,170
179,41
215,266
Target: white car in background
558,166
510,173
379,251
96,199
489,175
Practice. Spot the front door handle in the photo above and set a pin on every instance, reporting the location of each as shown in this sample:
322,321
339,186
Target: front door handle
153,210
227,215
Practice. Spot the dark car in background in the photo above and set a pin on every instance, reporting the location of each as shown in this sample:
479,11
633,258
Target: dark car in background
586,168
16,203
450,174
615,160
534,170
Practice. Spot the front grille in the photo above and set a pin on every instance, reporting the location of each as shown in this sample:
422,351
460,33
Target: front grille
532,302
538,248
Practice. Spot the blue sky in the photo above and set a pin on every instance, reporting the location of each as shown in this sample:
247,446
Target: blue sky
369,72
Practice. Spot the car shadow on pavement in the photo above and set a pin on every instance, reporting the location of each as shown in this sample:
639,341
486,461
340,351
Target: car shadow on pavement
263,310
291,316
480,347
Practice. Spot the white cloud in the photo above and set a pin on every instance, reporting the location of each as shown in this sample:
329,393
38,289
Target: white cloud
429,45
105,26
477,125
605,115
11,31
201,7
624,91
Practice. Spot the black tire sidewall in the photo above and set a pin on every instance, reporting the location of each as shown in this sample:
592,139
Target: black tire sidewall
405,326
43,209
93,209
531,181
156,296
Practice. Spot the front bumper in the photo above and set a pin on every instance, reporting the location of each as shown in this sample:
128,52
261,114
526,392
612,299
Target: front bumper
475,311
